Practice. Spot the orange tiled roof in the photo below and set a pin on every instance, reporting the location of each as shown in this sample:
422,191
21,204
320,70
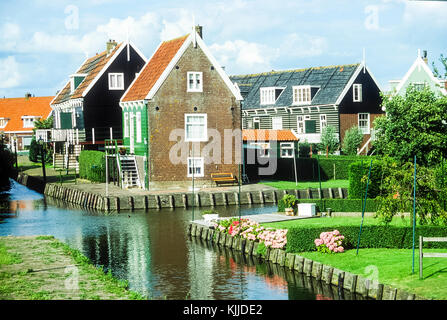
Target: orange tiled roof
15,108
91,67
268,135
154,69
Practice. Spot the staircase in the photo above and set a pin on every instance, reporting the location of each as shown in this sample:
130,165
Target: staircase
129,171
68,157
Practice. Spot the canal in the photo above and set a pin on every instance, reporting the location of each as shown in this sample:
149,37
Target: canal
153,252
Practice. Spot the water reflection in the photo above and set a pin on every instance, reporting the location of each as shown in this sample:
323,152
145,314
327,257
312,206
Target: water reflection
153,252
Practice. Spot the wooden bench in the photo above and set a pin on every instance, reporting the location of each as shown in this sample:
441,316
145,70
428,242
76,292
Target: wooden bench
223,178
431,254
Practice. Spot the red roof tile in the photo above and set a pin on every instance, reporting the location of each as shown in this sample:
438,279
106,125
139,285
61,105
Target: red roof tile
154,69
15,108
268,135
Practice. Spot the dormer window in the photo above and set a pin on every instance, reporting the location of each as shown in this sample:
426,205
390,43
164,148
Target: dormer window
3,122
75,81
303,94
269,95
116,81
28,121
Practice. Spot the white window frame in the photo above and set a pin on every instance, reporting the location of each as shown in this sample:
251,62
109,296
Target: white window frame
277,123
286,146
3,122
204,136
357,92
116,85
126,125
301,95
256,120
26,119
323,122
364,129
267,95
200,166
197,87
300,120
264,148
138,127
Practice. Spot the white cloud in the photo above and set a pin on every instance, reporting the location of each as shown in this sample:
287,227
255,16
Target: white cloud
302,45
427,14
241,56
180,25
9,73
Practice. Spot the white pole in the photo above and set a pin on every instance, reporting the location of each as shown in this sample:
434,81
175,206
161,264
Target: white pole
93,135
111,135
294,165
107,173
77,136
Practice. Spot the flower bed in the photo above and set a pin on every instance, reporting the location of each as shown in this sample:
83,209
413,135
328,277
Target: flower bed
251,230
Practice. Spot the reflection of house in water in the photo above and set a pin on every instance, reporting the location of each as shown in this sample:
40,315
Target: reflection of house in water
18,205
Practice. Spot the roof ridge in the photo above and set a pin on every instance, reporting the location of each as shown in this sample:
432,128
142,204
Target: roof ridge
294,70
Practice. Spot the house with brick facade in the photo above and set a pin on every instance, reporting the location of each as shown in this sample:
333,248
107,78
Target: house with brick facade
305,101
419,75
17,116
86,110
182,116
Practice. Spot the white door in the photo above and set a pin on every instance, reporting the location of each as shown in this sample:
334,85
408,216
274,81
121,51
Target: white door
132,133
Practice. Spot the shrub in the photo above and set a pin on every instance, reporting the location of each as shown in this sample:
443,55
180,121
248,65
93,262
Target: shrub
358,176
287,201
329,140
92,165
330,242
7,169
352,140
373,236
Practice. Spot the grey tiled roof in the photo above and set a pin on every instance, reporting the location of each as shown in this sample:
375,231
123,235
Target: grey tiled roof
331,80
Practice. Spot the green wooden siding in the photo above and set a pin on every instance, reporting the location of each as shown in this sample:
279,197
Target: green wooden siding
140,148
66,120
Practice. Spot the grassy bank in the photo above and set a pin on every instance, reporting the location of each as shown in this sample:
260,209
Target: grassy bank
392,267
44,268
284,185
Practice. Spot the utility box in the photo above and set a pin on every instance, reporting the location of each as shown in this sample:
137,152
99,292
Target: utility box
307,209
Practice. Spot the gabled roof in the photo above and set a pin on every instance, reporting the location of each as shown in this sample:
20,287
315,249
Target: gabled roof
152,71
420,64
16,108
157,69
92,67
331,80
268,135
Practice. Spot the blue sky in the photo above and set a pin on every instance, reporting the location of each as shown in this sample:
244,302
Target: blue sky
42,42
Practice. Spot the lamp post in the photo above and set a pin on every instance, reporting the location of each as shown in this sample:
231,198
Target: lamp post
42,155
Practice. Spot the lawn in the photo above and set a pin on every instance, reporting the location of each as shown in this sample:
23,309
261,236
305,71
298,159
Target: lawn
283,185
392,267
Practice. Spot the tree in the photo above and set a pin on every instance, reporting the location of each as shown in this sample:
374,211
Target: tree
438,73
329,140
413,126
352,140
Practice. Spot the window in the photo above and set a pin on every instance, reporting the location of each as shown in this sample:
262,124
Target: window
3,122
269,95
196,127
195,167
357,92
138,127
28,121
301,95
300,124
116,81
194,82
256,123
418,86
277,123
263,148
126,125
323,122
287,150
364,123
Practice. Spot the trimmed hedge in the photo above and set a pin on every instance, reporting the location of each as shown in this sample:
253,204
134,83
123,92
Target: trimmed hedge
92,165
358,176
337,205
373,236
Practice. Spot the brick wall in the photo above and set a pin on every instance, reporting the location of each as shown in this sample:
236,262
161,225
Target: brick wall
347,121
173,102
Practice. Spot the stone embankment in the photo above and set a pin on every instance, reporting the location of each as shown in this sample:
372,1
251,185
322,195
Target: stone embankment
76,195
329,275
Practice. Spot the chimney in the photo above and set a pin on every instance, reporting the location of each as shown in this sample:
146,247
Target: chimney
424,56
110,45
28,95
199,31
